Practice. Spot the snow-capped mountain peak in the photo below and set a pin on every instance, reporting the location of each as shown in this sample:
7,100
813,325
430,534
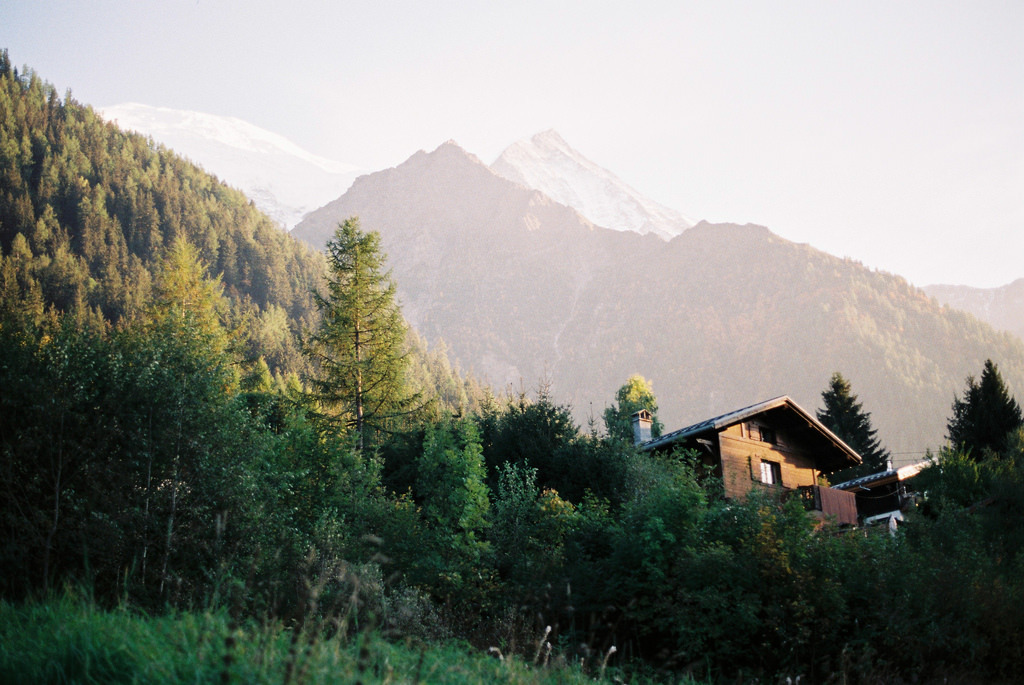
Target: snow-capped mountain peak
284,180
547,163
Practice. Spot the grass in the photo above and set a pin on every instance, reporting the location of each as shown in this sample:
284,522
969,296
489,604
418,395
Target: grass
70,640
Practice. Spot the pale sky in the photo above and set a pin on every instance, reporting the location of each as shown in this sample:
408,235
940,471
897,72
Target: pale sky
889,132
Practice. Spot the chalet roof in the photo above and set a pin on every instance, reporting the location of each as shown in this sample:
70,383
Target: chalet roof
781,406
883,477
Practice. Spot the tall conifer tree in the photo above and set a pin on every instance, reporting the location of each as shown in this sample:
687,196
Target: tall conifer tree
845,416
985,415
359,347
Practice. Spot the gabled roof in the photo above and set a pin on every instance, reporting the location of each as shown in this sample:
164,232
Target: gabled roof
779,405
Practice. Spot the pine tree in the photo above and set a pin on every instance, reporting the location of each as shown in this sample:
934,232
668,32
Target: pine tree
358,349
985,415
845,416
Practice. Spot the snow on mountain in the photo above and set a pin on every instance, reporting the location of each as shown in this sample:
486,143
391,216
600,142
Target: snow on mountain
547,163
282,179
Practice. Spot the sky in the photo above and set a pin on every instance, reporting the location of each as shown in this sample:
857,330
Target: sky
888,132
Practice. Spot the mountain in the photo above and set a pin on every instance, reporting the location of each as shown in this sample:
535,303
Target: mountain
547,163
1002,307
282,179
524,290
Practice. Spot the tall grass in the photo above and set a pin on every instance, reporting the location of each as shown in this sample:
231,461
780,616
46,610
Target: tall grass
70,640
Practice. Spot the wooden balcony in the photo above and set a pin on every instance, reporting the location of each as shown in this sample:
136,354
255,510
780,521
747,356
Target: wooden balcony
828,503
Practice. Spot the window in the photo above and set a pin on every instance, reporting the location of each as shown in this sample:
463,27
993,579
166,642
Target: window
767,435
771,473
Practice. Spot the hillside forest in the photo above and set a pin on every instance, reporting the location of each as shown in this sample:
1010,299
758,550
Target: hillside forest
226,457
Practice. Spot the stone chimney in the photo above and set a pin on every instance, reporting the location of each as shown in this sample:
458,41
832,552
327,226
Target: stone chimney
641,426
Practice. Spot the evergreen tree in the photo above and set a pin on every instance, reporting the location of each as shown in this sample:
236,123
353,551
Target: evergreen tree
985,415
359,347
450,480
635,395
844,416
191,301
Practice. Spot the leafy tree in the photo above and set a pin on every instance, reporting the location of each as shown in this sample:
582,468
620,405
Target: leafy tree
359,347
529,530
635,395
985,415
845,416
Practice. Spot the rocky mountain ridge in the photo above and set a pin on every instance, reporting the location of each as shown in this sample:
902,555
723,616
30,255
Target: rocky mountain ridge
524,290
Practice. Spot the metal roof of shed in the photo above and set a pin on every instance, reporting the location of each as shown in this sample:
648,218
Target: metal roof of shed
900,474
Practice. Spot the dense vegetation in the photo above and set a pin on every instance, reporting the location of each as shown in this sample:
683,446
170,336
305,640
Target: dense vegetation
71,640
87,210
232,527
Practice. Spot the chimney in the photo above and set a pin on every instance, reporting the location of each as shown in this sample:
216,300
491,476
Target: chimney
641,426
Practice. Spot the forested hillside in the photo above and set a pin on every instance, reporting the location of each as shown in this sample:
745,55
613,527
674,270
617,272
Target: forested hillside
525,289
86,211
1002,307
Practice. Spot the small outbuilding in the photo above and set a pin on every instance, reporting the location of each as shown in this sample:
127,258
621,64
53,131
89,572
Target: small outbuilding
883,497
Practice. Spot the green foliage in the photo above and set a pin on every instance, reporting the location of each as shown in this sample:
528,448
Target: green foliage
431,373
358,350
87,212
69,640
845,416
985,415
961,564
529,532
542,435
133,445
451,477
635,395
450,482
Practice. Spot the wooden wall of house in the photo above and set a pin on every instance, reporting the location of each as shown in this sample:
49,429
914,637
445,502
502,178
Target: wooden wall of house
742,450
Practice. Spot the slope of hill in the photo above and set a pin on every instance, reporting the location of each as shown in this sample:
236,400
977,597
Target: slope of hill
524,289
281,178
547,163
1003,307
86,211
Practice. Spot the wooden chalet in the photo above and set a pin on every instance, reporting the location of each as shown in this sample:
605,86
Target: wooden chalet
772,444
